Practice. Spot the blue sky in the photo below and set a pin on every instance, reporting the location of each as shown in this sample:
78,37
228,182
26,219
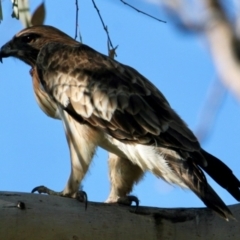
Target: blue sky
33,149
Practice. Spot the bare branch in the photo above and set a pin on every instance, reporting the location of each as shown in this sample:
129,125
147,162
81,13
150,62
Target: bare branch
236,8
15,13
21,11
213,102
142,12
36,216
76,27
104,26
220,35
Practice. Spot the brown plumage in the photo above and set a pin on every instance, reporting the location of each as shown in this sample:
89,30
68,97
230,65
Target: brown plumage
104,103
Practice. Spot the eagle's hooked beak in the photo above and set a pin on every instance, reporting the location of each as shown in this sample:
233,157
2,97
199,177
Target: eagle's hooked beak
6,51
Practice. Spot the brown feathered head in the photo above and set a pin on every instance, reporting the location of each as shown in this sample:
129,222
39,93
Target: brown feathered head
26,44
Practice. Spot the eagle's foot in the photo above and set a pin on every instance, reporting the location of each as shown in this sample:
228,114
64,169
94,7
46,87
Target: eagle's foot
128,200
43,189
80,195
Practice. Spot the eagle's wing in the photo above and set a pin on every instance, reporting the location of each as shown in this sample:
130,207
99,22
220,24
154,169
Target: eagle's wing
111,96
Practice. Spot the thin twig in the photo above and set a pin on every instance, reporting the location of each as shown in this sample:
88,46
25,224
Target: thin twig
142,12
104,26
1,15
111,51
76,28
80,37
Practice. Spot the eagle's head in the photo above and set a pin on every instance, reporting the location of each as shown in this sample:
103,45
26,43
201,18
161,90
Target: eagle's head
26,44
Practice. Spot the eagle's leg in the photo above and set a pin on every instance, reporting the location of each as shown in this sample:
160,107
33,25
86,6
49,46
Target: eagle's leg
123,175
73,188
81,151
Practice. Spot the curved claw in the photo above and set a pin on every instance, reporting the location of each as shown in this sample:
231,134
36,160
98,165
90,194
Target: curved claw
128,201
38,189
82,197
134,199
43,189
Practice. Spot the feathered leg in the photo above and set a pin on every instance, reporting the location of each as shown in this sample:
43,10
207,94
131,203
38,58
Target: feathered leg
82,141
123,175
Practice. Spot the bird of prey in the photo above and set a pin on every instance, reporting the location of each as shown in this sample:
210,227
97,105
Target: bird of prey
105,103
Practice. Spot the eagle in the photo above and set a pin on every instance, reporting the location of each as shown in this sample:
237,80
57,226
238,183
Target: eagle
102,102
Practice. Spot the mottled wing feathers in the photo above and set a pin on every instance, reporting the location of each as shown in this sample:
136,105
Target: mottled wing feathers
111,96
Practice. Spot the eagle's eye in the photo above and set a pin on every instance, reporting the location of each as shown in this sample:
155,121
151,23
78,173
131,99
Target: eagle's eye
29,38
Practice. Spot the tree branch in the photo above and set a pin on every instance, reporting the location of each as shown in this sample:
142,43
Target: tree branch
76,27
52,217
144,13
218,30
106,30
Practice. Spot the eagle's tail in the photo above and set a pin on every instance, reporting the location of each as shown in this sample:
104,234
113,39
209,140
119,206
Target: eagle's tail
222,174
193,177
214,202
